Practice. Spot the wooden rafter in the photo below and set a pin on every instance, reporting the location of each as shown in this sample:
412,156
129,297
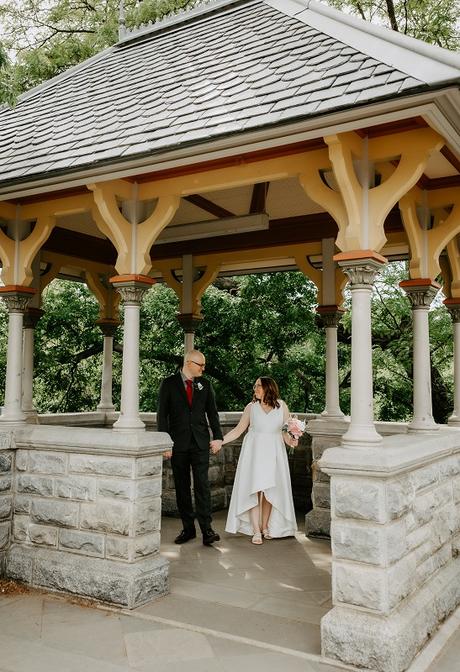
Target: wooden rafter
208,206
259,197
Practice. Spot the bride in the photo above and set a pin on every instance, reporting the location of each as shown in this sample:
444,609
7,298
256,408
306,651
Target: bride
261,504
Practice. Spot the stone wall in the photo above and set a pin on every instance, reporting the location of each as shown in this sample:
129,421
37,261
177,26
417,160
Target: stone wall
87,513
6,496
395,544
327,433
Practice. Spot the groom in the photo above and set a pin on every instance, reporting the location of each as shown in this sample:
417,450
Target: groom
185,405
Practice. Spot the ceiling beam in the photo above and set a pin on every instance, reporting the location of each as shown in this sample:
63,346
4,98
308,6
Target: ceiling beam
208,206
259,198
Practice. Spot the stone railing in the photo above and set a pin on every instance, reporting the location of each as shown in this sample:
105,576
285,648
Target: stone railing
222,466
395,547
87,512
327,433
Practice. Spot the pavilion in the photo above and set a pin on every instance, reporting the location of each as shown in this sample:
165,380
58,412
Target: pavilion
243,135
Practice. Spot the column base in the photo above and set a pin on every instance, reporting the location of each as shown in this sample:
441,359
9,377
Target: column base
124,424
454,421
15,421
361,436
333,415
128,585
105,409
422,426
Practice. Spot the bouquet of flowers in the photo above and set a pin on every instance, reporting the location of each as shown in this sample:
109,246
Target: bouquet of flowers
294,427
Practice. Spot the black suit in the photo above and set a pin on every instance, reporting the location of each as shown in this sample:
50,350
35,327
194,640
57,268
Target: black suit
188,428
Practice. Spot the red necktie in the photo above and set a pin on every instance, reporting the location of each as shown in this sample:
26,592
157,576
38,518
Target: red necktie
189,390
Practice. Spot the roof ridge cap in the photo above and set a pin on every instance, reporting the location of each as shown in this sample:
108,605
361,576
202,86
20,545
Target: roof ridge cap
432,51
183,17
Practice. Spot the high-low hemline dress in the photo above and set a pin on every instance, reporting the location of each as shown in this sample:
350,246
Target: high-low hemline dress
263,467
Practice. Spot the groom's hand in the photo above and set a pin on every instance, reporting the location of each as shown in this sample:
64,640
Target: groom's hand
215,446
168,454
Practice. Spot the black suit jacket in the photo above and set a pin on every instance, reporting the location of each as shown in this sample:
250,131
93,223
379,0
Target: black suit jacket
183,423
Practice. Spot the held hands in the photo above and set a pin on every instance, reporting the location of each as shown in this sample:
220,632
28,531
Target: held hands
215,446
167,455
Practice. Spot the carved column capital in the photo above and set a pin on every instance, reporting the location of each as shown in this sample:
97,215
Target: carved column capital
329,316
453,306
361,267
189,322
16,297
108,326
31,317
132,287
420,292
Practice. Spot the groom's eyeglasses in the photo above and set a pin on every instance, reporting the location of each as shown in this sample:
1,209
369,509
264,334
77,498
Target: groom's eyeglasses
202,366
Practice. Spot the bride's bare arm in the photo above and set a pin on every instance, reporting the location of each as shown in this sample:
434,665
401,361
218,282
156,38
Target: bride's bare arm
240,428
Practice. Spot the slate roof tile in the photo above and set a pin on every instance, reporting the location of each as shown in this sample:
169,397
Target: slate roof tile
239,67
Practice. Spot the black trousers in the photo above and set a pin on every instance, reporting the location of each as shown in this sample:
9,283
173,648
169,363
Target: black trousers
196,460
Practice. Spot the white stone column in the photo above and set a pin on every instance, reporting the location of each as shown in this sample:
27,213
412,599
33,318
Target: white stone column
330,317
31,317
16,299
131,288
108,328
361,272
421,293
453,306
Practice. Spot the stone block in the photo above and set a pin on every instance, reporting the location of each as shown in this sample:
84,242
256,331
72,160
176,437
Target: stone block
5,529
148,487
106,517
147,516
215,475
6,482
449,467
117,548
433,563
34,485
149,466
401,580
6,507
424,507
82,488
442,526
21,460
6,460
375,545
43,535
106,466
425,477
21,528
219,499
77,541
128,585
22,504
61,514
318,523
41,462
418,536
321,495
456,489
362,499
400,494
116,488
147,544
360,585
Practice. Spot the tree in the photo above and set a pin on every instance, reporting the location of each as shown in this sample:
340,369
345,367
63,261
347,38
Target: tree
433,21
46,38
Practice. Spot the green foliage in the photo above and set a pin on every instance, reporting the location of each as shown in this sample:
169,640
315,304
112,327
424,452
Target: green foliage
68,348
433,21
46,38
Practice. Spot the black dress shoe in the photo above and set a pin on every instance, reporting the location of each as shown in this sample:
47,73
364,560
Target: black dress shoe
209,537
184,536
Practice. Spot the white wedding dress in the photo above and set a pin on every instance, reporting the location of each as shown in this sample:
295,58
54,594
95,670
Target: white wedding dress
263,467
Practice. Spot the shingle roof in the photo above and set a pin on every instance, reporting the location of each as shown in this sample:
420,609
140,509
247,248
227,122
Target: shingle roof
228,68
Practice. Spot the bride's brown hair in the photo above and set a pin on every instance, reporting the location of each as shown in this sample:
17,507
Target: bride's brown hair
271,392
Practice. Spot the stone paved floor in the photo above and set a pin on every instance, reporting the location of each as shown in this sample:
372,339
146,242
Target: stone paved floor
233,607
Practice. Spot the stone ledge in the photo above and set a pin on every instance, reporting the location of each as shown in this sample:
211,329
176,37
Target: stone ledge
389,644
397,454
128,585
100,441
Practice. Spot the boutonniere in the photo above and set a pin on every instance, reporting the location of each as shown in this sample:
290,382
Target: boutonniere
198,386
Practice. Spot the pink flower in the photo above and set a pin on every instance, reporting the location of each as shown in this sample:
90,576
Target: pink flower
294,427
